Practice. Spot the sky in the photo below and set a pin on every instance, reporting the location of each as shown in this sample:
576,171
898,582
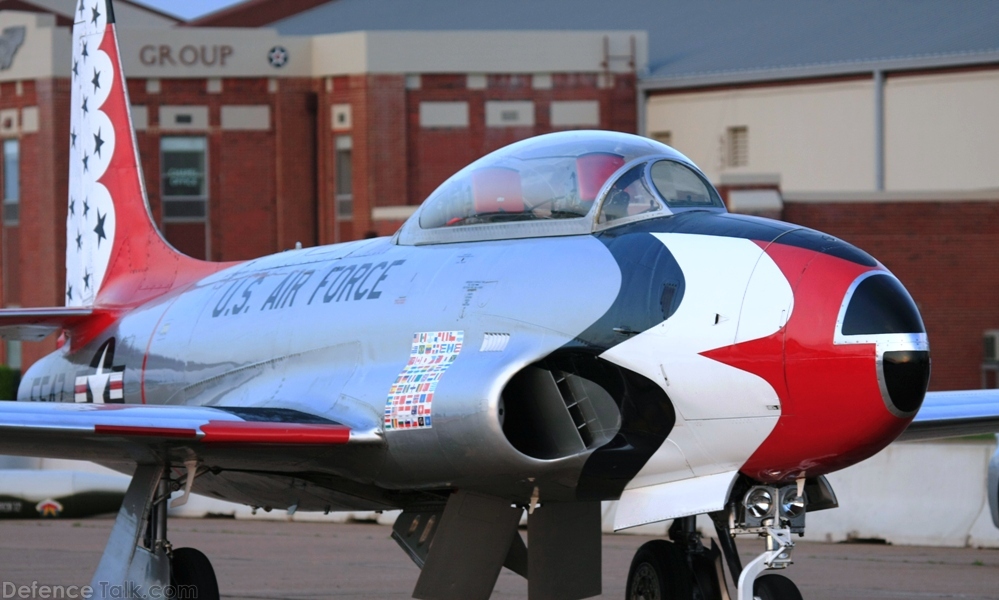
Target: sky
188,9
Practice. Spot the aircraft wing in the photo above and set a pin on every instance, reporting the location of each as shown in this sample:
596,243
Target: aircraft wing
33,324
233,438
953,414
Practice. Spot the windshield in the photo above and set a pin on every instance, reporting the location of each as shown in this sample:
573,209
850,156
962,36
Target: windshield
680,187
546,178
630,195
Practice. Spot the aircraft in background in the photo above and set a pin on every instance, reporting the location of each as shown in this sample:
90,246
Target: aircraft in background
570,319
31,493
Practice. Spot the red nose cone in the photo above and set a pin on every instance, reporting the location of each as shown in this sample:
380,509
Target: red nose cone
835,410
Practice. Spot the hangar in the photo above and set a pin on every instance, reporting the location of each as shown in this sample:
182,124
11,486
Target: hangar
272,123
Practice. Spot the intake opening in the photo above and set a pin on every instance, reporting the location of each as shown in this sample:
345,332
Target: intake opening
552,413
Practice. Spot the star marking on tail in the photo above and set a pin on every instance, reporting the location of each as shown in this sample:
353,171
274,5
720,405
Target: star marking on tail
99,230
98,142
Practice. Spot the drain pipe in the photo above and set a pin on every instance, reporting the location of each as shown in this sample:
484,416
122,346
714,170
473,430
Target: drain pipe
879,130
641,106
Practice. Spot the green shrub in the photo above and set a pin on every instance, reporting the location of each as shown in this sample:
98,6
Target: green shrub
9,380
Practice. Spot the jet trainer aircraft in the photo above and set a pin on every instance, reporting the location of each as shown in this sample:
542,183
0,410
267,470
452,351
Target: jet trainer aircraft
570,319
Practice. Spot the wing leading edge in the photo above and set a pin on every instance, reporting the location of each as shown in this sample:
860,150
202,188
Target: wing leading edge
226,438
952,414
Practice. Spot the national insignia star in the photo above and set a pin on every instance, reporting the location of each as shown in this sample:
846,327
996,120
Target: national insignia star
86,280
99,230
79,240
72,207
69,293
81,9
76,68
72,138
96,80
95,14
86,208
84,106
84,53
98,142
85,159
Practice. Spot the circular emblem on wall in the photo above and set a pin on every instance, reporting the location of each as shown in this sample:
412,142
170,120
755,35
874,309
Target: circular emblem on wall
278,57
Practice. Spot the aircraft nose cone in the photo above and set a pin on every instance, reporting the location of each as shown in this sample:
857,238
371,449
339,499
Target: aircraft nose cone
856,365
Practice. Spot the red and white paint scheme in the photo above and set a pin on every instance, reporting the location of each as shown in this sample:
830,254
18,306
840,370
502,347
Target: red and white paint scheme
94,141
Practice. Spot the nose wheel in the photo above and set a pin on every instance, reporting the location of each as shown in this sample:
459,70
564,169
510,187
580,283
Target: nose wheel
775,587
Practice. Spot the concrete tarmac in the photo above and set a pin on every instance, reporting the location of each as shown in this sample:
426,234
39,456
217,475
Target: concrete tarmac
278,560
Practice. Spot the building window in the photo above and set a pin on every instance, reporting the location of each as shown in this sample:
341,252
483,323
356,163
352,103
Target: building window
185,193
11,181
737,147
343,177
183,168
663,137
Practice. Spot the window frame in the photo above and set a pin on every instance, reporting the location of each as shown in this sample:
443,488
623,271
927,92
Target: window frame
11,206
166,199
343,145
737,146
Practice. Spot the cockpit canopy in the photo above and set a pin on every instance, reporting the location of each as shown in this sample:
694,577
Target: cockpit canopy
564,183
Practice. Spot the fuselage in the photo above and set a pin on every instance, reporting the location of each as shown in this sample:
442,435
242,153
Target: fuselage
651,352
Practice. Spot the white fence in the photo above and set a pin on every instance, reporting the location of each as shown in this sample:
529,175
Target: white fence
921,493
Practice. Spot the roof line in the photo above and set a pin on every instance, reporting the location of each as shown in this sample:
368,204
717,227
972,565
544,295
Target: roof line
818,70
155,11
942,196
252,13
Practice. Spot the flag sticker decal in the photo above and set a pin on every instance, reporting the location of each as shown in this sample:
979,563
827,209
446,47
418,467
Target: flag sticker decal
410,397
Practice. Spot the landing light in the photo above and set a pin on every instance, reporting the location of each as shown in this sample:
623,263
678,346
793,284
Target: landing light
791,505
758,502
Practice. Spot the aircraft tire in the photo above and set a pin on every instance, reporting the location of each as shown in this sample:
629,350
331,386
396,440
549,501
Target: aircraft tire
659,571
190,567
775,587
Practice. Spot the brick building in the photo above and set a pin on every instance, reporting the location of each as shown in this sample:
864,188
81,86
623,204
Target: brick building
252,141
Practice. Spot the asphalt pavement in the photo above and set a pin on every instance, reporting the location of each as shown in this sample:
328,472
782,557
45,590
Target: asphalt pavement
282,560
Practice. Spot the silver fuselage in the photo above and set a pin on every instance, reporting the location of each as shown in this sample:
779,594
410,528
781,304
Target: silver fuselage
327,331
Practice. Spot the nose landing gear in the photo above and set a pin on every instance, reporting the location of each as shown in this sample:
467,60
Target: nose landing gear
752,586
684,569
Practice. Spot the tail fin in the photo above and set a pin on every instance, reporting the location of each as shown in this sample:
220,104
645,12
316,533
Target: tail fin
115,256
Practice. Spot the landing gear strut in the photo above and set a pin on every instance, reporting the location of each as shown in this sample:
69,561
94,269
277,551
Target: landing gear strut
139,556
